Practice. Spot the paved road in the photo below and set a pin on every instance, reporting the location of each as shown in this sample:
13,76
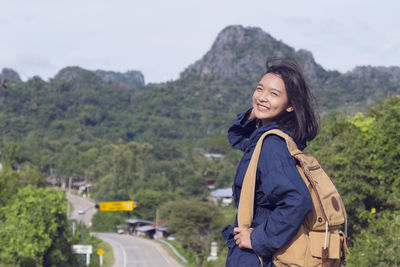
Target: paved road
130,251
80,203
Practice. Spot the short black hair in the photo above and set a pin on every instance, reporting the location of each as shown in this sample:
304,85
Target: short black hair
302,122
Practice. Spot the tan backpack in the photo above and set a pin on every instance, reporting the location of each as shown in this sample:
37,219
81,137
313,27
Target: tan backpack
318,242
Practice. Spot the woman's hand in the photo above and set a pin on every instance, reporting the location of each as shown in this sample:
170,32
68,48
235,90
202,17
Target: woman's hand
242,237
251,115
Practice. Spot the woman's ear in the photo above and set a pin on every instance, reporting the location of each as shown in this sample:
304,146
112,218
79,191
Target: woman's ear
289,109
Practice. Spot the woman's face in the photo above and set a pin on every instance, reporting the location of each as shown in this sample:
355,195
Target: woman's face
270,98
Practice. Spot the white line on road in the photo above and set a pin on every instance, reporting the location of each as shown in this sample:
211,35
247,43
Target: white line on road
161,251
123,253
124,256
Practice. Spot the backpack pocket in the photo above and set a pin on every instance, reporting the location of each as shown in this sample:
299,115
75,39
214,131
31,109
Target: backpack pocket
317,242
294,251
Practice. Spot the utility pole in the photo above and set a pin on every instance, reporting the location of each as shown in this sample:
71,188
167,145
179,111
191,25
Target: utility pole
155,226
68,193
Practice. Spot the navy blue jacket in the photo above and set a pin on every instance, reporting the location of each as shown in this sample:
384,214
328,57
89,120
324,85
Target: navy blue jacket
281,199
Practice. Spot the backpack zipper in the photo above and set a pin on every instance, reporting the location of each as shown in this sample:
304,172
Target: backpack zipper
307,173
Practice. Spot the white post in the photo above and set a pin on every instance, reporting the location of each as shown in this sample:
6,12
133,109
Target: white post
214,255
101,260
155,226
73,228
214,249
87,259
68,194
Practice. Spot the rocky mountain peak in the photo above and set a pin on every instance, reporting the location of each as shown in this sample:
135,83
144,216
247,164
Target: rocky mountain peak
239,51
131,78
392,74
77,76
9,75
239,35
73,73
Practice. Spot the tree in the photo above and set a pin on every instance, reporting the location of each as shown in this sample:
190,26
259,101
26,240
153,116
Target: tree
35,231
195,224
9,185
30,175
362,154
10,154
377,245
148,201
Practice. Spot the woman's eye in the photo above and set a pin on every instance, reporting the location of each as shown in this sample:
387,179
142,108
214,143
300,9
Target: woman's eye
274,94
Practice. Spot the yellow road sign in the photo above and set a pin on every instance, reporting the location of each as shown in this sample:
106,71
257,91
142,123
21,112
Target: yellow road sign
100,251
117,205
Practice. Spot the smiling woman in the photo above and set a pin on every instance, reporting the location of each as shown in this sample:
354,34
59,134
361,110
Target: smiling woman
281,100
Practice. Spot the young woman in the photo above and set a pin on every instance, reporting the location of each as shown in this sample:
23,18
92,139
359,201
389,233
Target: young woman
281,100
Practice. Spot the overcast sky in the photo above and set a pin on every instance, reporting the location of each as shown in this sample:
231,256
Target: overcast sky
161,38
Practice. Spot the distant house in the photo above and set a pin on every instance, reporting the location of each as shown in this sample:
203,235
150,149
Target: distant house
78,185
147,228
51,181
210,182
222,195
82,186
214,155
133,224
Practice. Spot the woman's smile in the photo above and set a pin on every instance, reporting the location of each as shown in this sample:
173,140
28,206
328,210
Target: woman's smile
261,107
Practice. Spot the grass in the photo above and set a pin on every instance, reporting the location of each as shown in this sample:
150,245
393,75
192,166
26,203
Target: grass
228,214
108,256
179,248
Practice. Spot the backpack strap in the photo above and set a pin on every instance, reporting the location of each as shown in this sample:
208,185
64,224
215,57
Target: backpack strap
246,203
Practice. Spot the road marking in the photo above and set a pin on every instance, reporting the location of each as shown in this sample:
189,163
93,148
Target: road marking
123,253
124,256
162,253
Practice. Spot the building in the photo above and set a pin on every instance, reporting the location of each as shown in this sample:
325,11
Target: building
222,196
138,227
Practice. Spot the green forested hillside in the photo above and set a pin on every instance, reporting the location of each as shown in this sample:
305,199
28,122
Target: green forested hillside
78,106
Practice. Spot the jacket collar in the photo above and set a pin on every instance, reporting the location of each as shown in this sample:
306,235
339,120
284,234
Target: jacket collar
269,126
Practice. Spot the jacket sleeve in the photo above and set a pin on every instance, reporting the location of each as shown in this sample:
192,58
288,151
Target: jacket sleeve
285,191
241,130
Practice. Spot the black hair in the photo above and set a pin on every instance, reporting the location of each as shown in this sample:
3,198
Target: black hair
302,122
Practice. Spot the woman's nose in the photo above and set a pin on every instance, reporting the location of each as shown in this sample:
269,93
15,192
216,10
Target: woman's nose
263,98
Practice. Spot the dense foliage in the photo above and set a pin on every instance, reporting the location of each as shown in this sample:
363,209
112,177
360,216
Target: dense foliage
195,224
362,154
378,245
34,230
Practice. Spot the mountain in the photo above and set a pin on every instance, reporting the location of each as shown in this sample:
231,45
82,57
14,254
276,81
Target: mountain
9,75
132,78
79,105
77,77
118,80
362,87
240,53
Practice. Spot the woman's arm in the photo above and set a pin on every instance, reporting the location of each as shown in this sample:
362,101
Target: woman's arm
242,128
286,191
